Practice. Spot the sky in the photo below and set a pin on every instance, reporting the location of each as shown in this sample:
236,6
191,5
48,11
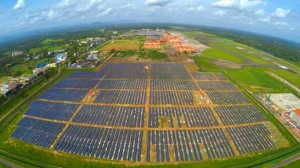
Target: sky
279,18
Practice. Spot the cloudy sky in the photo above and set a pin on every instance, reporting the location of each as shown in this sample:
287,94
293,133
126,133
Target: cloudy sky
279,18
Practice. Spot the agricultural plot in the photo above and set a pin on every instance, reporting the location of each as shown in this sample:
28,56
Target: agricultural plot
38,132
127,109
64,94
192,116
228,98
239,114
208,85
116,144
50,110
251,138
111,115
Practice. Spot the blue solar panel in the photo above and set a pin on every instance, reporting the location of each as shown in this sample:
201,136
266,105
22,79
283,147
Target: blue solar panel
121,97
64,94
42,133
116,144
111,115
54,111
73,83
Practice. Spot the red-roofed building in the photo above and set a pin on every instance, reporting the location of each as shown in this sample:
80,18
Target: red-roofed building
152,44
187,49
293,119
295,115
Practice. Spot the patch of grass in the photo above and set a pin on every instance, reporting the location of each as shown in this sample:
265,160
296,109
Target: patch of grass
294,164
257,80
121,45
205,64
153,54
50,41
220,54
291,77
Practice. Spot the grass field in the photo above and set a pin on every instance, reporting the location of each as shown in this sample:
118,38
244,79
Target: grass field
257,80
216,53
50,41
121,45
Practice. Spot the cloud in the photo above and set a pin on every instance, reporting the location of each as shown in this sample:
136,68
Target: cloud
105,12
281,13
236,4
264,19
20,4
128,6
195,9
260,12
220,13
159,3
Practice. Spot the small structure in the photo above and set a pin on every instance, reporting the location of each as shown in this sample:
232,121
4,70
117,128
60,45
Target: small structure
183,48
93,55
60,58
155,44
292,118
285,101
17,53
9,86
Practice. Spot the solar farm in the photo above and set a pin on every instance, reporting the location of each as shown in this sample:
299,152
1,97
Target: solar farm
148,113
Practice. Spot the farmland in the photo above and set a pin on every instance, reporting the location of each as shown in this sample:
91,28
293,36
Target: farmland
121,45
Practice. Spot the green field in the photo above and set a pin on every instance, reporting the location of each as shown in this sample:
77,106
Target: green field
52,41
220,54
257,80
122,45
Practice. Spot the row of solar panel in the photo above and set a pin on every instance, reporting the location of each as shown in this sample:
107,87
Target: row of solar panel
123,144
190,116
187,144
114,144
134,116
206,76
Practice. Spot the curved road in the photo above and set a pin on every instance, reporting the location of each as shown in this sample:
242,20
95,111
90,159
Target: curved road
9,164
286,161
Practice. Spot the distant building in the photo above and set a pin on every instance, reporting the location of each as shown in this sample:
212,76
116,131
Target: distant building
60,58
182,48
9,86
93,55
41,65
17,53
295,115
152,44
292,118
52,65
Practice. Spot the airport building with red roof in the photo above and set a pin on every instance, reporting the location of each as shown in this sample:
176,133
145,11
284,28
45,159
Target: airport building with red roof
293,119
152,44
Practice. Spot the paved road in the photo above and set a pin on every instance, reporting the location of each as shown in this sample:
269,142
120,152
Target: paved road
9,164
285,81
286,161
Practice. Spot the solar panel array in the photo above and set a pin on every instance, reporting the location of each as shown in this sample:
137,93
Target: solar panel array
152,104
